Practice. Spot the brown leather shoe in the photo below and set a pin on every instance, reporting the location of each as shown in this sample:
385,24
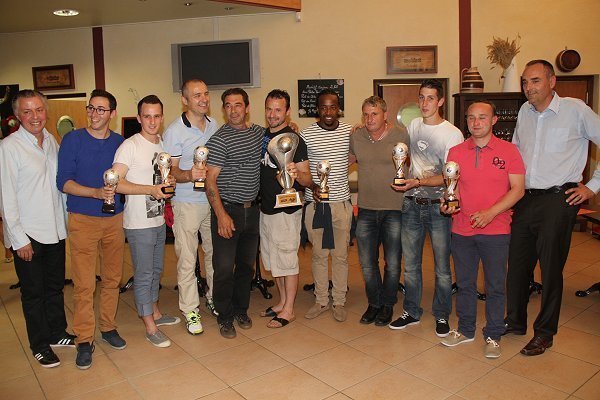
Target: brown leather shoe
537,346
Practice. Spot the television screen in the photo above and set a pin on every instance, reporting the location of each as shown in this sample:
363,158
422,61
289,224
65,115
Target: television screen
222,64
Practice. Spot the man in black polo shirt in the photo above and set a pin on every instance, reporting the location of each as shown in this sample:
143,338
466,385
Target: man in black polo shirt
280,227
232,184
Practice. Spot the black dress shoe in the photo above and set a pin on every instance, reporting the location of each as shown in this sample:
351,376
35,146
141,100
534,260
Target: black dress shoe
384,316
369,316
513,331
537,346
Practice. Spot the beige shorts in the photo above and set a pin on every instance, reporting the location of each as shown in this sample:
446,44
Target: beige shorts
279,242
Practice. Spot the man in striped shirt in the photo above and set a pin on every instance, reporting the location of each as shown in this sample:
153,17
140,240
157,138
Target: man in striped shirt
232,184
328,221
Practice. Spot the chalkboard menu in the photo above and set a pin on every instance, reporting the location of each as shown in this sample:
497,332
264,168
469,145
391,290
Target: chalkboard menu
308,89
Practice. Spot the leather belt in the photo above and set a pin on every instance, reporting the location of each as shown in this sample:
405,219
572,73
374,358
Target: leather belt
245,204
422,200
551,190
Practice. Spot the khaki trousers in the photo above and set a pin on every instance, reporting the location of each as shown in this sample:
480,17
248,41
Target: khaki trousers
86,235
341,214
191,218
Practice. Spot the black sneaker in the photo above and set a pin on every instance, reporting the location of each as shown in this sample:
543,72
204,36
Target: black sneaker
47,358
384,316
243,321
66,341
404,321
84,355
441,327
114,340
227,330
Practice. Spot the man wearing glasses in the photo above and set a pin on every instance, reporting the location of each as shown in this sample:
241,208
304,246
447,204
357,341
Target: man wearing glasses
83,157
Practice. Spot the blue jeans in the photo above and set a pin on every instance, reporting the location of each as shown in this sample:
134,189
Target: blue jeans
374,227
147,247
492,251
418,219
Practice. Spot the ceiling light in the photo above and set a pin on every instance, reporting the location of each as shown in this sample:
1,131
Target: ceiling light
228,8
65,13
188,4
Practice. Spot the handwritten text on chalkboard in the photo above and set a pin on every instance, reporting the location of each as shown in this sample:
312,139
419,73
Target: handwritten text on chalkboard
308,89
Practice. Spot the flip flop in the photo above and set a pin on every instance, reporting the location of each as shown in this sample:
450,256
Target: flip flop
281,321
268,313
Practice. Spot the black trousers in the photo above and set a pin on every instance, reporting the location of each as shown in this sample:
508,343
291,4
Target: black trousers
541,230
42,282
233,261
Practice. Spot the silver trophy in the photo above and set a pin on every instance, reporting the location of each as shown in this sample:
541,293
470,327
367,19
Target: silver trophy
451,174
164,166
282,149
200,157
399,154
323,170
111,179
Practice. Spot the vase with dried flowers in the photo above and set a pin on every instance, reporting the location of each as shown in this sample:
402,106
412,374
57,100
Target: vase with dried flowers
502,53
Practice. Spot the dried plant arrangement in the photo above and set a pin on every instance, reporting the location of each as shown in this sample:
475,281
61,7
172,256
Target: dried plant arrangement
502,51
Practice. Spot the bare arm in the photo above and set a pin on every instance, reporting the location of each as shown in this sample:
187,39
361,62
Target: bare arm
186,175
437,180
482,218
75,189
226,225
126,187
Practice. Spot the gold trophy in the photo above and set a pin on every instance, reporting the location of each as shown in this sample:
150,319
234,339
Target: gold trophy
451,174
200,157
111,178
164,166
323,170
399,154
282,149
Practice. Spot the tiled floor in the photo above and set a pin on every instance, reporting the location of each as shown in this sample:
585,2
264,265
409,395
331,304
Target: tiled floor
314,359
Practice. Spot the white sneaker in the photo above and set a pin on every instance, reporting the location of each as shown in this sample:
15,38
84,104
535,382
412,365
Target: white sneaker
193,323
492,348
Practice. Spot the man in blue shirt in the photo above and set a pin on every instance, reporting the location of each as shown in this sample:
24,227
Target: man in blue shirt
83,157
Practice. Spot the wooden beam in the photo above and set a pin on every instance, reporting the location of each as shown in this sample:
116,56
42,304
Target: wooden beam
98,44
292,5
464,33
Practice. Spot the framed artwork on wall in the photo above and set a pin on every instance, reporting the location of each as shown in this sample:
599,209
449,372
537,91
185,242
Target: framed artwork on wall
54,77
411,60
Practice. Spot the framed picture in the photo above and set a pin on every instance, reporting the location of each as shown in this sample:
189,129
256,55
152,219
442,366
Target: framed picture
411,60
55,77
401,96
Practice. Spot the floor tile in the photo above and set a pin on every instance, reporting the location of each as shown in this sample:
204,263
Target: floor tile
590,390
389,346
118,391
297,343
25,387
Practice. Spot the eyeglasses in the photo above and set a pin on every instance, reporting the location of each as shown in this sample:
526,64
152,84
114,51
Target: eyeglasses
99,111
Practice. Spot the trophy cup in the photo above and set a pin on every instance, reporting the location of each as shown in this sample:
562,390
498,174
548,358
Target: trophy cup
451,174
323,170
164,166
200,157
282,149
111,178
399,154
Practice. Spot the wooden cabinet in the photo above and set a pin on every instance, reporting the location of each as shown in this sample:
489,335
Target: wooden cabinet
507,109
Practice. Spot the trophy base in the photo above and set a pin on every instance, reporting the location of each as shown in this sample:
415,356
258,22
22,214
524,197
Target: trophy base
453,203
288,200
168,190
399,182
324,195
108,208
199,186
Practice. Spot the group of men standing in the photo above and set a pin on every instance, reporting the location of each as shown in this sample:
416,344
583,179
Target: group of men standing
539,175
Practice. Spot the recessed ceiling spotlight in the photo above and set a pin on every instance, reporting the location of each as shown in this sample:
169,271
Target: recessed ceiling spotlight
228,8
65,13
189,3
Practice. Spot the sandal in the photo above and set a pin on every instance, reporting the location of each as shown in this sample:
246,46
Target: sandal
278,322
268,313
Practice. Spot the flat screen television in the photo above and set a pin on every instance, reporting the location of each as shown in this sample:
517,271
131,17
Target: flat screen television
221,64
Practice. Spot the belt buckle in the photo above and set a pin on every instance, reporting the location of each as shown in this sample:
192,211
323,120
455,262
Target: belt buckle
247,204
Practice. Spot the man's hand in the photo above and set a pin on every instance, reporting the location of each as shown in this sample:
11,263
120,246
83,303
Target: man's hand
25,253
482,218
408,184
579,194
157,192
226,226
198,172
292,170
444,209
105,193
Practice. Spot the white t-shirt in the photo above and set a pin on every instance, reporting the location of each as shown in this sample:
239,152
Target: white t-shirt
139,155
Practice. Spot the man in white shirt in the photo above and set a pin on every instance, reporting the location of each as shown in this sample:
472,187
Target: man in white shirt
33,211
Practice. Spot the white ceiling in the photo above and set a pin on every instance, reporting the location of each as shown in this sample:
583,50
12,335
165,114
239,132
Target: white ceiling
36,15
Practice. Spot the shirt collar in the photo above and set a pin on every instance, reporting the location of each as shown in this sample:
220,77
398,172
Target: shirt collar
30,138
187,122
554,105
491,144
